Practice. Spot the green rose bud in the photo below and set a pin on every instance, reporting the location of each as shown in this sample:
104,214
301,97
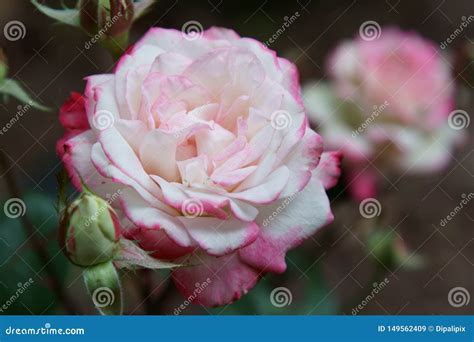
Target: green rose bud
107,18
390,250
89,231
3,65
103,284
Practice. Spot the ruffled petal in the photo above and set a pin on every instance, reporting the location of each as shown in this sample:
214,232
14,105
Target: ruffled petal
285,224
215,281
219,237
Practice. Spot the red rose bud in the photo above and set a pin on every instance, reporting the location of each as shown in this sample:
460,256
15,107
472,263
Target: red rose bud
106,18
89,231
3,65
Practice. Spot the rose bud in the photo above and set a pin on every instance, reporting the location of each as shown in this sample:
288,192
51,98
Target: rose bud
111,18
389,249
89,231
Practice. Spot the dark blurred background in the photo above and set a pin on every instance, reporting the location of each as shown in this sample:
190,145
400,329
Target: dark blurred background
331,272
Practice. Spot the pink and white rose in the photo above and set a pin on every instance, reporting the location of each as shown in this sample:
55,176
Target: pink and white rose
386,107
205,139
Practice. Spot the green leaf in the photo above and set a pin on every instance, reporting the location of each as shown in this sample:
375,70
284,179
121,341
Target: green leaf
103,284
68,16
141,8
13,88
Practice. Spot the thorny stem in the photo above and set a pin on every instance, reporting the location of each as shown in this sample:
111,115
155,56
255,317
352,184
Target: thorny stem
30,231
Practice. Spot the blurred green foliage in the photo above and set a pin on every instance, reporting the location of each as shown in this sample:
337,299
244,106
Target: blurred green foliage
19,263
306,285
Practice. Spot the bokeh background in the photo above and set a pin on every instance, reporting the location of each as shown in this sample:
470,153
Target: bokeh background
333,271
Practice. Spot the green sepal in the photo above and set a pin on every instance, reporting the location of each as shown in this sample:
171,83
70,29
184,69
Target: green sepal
68,16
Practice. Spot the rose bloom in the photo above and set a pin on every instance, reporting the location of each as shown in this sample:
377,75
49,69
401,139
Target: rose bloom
206,138
386,108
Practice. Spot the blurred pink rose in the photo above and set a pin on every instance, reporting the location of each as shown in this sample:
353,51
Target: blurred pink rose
207,139
387,108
